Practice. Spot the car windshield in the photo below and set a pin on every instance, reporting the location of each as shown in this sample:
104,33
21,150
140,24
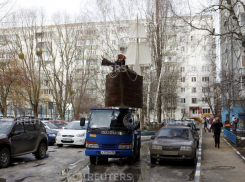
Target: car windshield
50,125
76,126
174,133
58,123
5,126
111,119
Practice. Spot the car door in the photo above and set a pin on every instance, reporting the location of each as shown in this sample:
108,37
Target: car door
195,132
32,135
19,139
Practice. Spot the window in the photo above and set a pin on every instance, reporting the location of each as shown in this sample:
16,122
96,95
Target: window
205,79
243,61
194,79
205,89
194,90
182,100
182,49
193,68
182,38
183,110
206,111
182,69
182,90
204,100
29,126
194,100
243,82
182,79
19,128
205,68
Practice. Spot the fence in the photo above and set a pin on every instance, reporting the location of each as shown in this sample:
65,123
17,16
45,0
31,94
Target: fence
230,136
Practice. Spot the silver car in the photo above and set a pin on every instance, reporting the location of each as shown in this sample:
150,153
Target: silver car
174,143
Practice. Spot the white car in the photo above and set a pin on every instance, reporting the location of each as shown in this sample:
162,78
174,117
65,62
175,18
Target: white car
72,134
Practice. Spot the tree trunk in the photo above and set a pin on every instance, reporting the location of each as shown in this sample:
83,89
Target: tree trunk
35,110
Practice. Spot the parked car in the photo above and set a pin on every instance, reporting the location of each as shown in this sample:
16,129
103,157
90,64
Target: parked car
20,136
51,136
59,123
50,126
190,124
174,143
72,134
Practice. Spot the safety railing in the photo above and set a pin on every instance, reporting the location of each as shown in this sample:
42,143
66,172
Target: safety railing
230,136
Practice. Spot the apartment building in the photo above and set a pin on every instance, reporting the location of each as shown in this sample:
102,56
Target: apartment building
232,55
189,53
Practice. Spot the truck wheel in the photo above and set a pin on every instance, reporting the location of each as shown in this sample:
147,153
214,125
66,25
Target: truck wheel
92,159
60,145
4,158
138,155
104,160
153,160
130,160
41,151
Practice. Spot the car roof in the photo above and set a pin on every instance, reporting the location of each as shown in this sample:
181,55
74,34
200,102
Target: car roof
7,119
180,127
79,121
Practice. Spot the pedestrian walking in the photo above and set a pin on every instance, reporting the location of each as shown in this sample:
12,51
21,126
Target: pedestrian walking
216,126
233,119
234,125
205,124
227,125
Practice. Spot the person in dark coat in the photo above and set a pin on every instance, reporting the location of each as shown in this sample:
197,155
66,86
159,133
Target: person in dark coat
121,59
205,124
216,126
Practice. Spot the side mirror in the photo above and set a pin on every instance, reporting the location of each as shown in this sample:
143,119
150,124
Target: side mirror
153,137
82,121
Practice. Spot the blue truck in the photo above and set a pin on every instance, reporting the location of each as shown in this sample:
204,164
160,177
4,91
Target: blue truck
112,133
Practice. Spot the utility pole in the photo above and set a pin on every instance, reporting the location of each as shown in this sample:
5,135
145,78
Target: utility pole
158,62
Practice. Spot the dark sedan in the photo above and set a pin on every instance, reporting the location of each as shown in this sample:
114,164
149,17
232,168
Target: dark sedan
174,143
51,136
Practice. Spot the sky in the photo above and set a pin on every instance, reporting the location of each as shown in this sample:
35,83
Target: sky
52,6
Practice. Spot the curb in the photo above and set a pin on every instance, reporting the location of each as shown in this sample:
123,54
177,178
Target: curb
238,153
197,177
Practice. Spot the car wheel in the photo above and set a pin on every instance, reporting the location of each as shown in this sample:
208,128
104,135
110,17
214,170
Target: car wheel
60,145
83,146
41,151
194,160
153,160
51,144
4,158
92,159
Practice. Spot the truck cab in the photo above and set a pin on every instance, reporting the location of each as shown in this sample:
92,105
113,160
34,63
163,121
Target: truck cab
112,133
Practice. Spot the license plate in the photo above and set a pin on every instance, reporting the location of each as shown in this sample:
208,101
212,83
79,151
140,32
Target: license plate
108,152
170,153
67,139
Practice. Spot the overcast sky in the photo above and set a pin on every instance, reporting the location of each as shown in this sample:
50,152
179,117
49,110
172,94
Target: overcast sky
51,6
